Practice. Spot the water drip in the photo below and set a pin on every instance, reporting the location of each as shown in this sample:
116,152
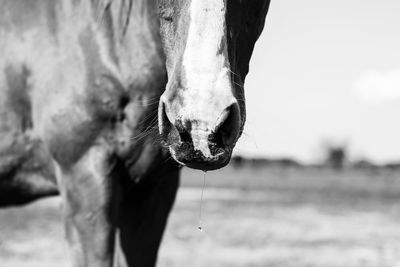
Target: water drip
200,227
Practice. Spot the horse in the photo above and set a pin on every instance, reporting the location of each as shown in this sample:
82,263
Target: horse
103,102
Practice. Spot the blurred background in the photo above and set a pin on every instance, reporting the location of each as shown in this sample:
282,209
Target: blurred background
315,180
326,71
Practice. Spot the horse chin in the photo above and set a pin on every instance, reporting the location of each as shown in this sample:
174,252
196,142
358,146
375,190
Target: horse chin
195,159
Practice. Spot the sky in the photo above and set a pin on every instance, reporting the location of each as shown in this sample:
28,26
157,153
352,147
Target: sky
325,72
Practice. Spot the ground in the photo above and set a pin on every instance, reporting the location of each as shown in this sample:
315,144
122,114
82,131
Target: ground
253,216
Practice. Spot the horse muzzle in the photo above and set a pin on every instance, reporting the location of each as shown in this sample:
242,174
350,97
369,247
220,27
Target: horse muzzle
201,144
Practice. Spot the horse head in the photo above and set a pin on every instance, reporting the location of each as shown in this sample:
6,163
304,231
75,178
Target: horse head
208,45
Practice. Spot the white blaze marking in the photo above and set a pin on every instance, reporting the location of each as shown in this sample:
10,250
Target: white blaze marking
205,35
206,69
200,142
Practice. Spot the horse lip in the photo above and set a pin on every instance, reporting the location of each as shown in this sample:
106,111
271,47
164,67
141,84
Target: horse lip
195,159
208,165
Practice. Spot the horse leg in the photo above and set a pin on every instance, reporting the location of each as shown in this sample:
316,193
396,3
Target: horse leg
89,196
143,218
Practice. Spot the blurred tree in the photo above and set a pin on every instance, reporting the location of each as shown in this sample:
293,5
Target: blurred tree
237,161
336,157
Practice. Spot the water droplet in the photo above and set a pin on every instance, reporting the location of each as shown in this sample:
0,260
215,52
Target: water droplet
200,228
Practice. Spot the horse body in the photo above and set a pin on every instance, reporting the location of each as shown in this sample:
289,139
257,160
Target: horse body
80,83
68,78
77,90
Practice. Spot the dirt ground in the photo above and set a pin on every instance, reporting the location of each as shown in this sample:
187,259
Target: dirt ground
298,217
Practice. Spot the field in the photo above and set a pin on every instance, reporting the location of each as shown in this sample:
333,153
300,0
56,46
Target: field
252,217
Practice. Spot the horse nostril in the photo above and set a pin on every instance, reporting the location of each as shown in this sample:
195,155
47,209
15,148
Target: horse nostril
227,129
184,132
172,131
164,123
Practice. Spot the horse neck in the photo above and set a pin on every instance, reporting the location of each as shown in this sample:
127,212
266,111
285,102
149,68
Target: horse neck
134,28
130,31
